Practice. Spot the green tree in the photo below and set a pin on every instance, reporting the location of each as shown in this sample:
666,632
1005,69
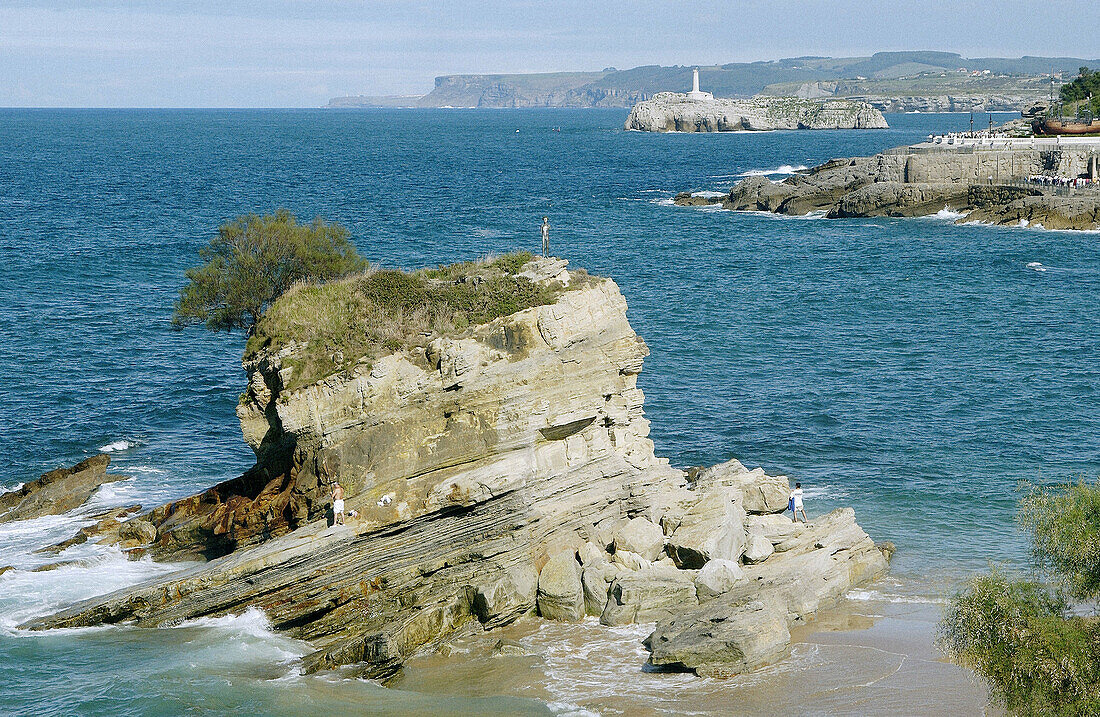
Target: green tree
1038,650
255,259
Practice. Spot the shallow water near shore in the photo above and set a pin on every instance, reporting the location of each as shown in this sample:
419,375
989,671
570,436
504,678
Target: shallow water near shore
914,369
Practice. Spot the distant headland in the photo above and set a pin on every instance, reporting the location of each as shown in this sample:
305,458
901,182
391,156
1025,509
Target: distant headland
923,81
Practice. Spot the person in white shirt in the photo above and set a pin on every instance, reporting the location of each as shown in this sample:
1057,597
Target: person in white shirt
796,504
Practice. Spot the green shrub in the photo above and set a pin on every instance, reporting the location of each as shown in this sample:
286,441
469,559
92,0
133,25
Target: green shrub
1039,655
255,259
1065,535
337,324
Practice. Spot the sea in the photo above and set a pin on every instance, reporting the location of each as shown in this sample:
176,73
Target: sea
918,370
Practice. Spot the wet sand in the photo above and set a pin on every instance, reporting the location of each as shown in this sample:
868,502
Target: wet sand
867,656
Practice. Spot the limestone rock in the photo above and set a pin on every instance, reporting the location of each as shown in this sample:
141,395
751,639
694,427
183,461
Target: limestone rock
596,581
926,179
503,598
760,493
713,528
647,595
138,531
776,527
629,560
561,595
641,537
757,549
717,577
721,640
675,112
473,462
591,554
747,626
57,491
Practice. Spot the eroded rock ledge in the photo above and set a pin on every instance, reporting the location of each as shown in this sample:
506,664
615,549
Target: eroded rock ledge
676,112
498,472
982,186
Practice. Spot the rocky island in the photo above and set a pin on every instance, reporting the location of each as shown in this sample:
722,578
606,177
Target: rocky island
497,464
678,112
1004,180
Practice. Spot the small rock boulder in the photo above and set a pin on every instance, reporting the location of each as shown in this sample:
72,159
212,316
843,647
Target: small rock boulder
506,596
757,549
722,640
717,577
596,581
642,537
591,554
648,595
137,531
560,592
714,528
760,493
629,560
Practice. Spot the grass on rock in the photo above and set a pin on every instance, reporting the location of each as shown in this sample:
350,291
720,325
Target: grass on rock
334,325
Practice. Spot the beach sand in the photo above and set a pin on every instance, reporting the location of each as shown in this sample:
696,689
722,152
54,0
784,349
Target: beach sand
872,655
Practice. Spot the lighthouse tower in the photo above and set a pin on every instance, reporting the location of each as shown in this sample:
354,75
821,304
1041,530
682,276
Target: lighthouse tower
695,94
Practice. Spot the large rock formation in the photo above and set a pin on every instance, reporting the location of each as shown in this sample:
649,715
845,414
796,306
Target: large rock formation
57,491
675,112
492,473
985,184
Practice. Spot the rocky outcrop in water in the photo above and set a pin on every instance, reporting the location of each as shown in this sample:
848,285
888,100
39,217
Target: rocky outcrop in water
904,182
493,473
57,491
674,112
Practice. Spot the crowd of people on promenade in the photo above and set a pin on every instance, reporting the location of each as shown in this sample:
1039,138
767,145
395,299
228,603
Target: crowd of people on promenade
1070,182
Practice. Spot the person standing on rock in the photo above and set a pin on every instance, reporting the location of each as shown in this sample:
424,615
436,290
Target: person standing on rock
546,236
338,504
796,504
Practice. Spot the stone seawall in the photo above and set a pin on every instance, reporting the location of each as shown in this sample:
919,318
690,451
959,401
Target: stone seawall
917,181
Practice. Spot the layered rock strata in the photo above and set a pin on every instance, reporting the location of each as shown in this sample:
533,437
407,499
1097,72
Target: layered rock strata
57,491
674,112
904,182
495,473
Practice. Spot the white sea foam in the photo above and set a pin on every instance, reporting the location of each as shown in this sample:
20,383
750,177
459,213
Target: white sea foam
784,169
118,446
97,570
949,214
253,625
876,596
709,194
17,486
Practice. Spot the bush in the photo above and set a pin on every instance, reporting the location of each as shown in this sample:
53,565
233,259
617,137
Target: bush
334,325
1065,535
255,259
1038,655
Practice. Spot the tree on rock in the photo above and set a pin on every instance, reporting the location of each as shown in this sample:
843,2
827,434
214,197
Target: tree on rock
255,259
1037,643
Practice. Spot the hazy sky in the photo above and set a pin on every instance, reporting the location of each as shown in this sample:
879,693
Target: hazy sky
284,53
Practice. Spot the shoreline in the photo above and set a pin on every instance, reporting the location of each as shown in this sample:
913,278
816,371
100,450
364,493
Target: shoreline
865,656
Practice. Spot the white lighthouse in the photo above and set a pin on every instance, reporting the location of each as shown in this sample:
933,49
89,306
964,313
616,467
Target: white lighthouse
695,94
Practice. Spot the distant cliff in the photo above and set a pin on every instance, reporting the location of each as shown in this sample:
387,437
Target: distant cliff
901,81
673,112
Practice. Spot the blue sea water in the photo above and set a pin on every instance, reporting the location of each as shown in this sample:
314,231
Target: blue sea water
912,368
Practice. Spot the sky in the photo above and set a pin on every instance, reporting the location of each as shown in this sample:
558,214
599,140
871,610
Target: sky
300,53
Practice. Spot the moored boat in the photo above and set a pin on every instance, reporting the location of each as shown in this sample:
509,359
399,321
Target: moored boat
1050,125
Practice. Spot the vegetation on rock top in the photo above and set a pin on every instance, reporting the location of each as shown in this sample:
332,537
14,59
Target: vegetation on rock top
334,325
255,259
1085,87
1038,650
